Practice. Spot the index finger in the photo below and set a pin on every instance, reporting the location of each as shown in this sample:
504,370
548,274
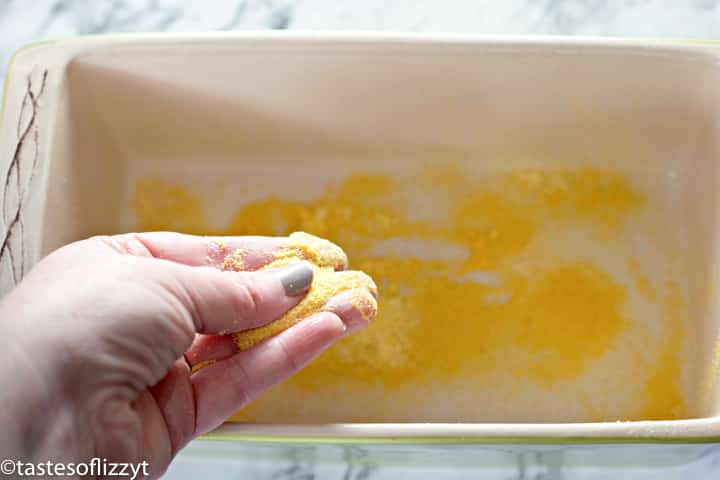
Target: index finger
237,253
245,253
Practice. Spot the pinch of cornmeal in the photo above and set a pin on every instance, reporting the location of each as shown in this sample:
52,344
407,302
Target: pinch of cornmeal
318,251
216,253
324,257
367,306
234,261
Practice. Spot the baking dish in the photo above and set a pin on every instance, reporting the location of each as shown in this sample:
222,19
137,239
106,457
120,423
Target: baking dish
86,121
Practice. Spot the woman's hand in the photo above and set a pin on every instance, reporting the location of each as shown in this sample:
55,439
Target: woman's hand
101,337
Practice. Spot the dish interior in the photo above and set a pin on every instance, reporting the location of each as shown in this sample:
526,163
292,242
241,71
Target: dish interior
541,221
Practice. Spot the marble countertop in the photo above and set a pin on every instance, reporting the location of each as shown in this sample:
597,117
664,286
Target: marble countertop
24,21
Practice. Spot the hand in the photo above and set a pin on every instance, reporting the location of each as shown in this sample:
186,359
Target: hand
101,337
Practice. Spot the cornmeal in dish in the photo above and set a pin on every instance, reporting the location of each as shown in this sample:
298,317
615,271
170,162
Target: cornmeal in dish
526,294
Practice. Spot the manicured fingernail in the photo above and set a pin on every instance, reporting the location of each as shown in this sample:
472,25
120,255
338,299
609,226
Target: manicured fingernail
296,278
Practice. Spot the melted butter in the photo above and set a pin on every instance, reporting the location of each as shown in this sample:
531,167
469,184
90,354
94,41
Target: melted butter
546,324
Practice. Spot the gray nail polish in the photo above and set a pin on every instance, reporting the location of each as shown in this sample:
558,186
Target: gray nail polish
295,278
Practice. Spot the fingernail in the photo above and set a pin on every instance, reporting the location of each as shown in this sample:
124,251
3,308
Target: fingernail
296,278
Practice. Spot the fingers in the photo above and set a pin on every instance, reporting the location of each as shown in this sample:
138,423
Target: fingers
194,404
228,253
355,307
223,302
174,397
222,388
207,349
325,285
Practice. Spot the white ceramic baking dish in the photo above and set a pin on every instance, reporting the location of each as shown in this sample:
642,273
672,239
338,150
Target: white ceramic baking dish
85,119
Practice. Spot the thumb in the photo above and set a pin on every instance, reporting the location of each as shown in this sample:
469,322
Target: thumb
144,313
136,315
212,301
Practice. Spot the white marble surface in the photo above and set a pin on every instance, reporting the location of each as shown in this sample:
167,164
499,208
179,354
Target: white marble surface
23,21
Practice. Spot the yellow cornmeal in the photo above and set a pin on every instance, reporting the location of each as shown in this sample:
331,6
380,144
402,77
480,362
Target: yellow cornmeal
663,399
318,251
366,305
540,320
324,257
168,207
234,261
199,366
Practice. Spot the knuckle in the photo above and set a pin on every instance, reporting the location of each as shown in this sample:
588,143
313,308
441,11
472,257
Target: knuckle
188,314
107,240
240,385
289,362
247,301
126,243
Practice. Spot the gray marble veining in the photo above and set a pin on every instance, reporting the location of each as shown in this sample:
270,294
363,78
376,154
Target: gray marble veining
24,21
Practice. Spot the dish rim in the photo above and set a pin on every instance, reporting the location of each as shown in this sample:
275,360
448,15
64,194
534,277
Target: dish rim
700,430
